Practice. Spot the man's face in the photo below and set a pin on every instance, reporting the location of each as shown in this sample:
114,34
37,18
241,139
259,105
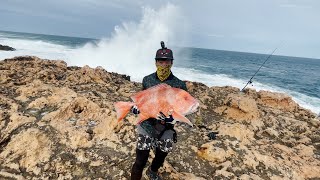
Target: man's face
163,63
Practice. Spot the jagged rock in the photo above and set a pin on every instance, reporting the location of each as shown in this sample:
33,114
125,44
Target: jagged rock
6,48
29,148
277,101
239,107
213,153
58,122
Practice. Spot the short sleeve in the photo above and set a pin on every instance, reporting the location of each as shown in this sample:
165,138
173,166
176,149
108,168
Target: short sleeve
184,86
144,83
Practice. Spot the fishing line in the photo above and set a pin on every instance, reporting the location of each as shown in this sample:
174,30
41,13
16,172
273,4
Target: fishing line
250,80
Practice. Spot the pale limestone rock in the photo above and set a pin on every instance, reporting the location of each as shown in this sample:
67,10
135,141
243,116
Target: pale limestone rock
86,75
277,101
272,132
10,175
244,177
224,172
32,147
189,176
238,131
31,90
315,122
239,107
96,163
215,154
16,120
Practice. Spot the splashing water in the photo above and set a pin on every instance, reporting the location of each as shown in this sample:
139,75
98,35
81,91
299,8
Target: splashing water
132,46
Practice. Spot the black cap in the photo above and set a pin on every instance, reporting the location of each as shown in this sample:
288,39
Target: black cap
164,53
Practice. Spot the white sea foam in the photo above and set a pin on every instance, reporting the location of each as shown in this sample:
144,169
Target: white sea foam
132,46
38,48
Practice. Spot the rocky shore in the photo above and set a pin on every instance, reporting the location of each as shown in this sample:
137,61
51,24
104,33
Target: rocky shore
6,48
58,122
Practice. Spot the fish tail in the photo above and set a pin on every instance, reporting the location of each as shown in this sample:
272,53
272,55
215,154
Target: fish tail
122,109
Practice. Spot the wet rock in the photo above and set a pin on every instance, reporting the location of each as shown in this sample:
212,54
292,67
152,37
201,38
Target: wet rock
6,48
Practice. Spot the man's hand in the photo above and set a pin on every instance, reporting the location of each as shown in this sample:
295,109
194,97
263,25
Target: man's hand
166,119
135,109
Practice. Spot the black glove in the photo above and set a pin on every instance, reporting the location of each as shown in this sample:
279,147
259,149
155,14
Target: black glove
135,110
166,119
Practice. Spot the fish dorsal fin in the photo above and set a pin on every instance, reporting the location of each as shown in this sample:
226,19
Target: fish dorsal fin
156,87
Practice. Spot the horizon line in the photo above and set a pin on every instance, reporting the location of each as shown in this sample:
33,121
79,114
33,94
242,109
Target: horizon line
282,55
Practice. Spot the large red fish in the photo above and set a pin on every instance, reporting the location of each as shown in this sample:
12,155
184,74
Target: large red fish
160,98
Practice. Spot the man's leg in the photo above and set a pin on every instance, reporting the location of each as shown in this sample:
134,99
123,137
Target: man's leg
164,146
144,144
158,160
139,164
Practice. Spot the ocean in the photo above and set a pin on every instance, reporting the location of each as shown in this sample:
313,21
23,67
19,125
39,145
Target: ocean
295,76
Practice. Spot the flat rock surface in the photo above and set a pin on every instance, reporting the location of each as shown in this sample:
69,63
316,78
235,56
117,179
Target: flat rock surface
58,122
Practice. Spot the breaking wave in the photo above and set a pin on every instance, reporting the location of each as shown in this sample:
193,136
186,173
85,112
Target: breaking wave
132,46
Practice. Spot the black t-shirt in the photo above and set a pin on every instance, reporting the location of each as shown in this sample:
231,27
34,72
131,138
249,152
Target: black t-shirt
151,125
153,80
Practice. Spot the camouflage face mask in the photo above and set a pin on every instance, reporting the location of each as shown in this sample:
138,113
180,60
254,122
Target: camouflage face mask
163,72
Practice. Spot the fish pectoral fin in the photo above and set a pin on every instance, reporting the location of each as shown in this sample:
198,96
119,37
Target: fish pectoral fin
181,118
122,109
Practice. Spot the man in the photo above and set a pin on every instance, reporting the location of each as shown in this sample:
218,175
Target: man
158,133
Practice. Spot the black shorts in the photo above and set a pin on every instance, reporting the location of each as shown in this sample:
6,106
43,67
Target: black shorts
164,143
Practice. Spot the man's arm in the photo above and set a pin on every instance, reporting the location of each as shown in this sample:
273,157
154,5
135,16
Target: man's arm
184,86
144,83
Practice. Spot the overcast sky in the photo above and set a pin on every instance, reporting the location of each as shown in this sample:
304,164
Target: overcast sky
239,25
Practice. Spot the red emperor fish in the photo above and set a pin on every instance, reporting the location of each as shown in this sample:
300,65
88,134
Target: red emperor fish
160,98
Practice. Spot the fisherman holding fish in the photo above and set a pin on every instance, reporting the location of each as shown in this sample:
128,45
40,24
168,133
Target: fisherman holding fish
162,102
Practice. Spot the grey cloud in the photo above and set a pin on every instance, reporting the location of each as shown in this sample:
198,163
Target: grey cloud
246,25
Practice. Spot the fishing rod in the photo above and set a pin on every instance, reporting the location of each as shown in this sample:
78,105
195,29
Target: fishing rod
250,81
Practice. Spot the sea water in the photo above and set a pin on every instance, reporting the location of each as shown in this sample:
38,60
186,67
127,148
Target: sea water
297,77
